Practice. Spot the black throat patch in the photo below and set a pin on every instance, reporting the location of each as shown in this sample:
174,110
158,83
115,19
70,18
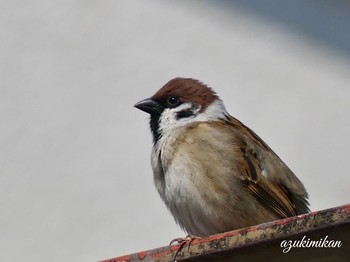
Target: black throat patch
154,125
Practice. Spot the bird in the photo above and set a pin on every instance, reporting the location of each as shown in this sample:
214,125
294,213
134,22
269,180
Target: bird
213,173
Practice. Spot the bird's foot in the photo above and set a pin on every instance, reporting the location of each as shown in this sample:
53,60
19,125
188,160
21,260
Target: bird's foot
183,241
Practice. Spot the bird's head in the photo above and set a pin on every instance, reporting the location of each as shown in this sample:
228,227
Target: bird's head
179,102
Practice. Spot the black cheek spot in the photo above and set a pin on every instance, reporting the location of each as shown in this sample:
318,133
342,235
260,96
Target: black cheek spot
184,114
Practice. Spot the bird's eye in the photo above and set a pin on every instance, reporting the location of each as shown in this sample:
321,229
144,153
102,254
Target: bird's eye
173,101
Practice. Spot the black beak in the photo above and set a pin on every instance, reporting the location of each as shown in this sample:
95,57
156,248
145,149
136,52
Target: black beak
149,106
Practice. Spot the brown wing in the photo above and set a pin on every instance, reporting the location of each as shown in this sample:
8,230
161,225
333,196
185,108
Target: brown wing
257,163
267,193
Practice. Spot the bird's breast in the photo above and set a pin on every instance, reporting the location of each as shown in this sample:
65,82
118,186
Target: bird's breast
195,181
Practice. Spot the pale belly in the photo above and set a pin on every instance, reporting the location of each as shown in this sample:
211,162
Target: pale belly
204,207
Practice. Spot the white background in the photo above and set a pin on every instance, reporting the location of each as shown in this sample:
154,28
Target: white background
75,176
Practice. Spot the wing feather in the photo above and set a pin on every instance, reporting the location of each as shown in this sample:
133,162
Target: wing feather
268,189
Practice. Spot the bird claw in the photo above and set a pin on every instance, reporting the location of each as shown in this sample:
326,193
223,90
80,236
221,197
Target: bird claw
184,240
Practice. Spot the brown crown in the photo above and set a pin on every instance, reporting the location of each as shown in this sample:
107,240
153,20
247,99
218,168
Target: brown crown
188,90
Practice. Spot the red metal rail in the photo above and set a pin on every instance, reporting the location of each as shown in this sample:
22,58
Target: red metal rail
266,241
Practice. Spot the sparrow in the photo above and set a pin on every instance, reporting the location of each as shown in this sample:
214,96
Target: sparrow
213,173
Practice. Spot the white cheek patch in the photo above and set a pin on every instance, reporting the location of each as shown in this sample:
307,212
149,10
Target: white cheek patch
169,120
